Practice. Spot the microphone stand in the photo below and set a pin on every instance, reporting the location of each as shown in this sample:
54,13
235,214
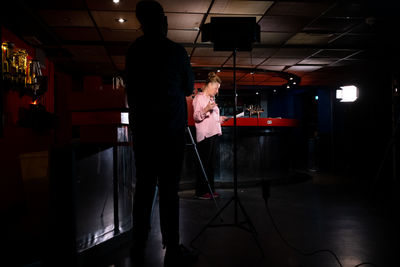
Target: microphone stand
235,198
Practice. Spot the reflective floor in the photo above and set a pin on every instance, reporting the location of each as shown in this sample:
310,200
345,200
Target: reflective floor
349,224
346,223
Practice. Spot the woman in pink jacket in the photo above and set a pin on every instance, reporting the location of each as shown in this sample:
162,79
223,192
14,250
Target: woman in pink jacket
208,128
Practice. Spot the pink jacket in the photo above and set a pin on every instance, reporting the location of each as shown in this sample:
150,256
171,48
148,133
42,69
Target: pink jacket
207,124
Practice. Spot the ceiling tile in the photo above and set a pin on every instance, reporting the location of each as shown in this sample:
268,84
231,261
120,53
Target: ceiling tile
263,52
184,21
271,67
108,19
310,39
253,78
208,52
317,61
356,41
347,62
208,61
281,61
349,9
190,6
240,66
240,7
66,18
365,27
182,36
283,24
51,4
274,38
292,8
332,25
77,33
100,5
295,52
302,69
335,53
116,35
365,55
242,61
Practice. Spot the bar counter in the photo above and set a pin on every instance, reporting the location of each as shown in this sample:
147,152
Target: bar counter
266,148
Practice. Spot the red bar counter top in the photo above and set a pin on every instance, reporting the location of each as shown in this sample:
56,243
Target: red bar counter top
267,122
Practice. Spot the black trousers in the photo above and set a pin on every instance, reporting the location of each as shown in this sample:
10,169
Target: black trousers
159,162
207,151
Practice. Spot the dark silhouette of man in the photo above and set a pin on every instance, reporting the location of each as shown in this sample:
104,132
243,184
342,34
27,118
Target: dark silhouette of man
158,77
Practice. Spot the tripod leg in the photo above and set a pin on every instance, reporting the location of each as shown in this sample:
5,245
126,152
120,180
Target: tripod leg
210,222
252,228
248,220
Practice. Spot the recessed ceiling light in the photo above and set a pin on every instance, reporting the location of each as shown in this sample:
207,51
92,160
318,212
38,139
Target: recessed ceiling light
121,20
116,1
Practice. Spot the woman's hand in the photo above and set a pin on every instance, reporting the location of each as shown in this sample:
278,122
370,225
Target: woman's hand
223,119
210,106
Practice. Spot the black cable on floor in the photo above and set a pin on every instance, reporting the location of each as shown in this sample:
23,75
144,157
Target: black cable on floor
266,195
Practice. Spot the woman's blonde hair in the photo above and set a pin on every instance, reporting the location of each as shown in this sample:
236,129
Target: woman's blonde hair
212,77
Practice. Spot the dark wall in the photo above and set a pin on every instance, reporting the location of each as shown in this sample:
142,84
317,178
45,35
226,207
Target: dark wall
353,136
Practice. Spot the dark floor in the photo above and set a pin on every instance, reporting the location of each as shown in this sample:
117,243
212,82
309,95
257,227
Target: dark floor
317,214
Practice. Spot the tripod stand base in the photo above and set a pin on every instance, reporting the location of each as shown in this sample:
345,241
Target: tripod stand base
239,224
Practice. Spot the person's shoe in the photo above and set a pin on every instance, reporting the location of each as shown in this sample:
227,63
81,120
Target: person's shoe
179,257
205,196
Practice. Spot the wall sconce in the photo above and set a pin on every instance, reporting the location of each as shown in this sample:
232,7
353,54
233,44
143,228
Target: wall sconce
347,93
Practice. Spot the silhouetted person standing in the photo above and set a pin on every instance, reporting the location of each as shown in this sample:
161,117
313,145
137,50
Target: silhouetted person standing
158,76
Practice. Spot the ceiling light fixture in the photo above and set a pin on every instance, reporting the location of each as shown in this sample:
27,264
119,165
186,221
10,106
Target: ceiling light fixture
116,1
121,20
218,70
